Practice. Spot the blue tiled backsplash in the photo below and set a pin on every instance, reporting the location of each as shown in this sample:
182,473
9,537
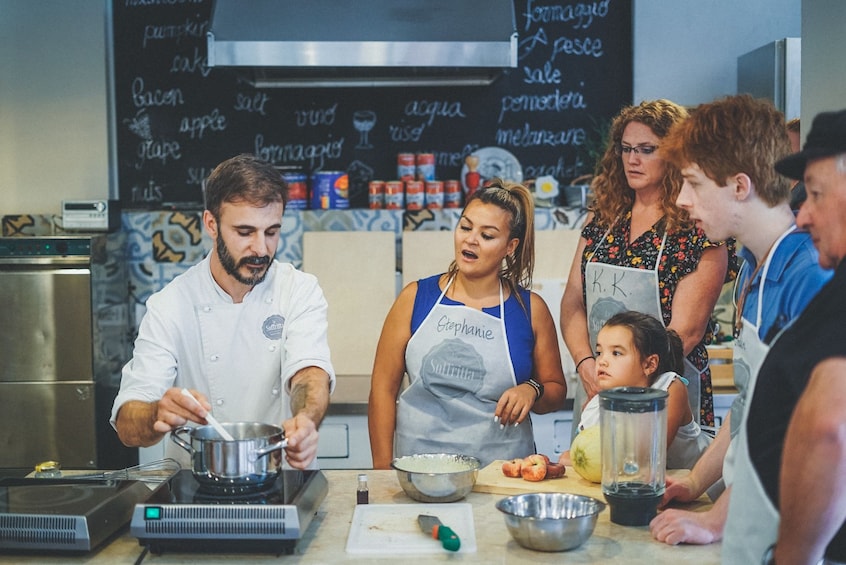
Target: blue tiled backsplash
163,244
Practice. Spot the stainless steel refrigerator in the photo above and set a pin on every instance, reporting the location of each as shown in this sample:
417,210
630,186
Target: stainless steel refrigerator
774,71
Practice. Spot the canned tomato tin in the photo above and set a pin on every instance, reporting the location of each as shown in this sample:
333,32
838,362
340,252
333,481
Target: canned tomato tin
330,190
452,194
405,166
297,182
435,194
415,196
376,194
425,166
394,195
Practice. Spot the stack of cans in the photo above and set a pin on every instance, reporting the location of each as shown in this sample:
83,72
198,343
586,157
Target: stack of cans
416,187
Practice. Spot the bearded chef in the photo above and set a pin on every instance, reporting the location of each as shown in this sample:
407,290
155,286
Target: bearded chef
245,333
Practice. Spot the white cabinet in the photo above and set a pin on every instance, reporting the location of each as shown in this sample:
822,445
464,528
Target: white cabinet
552,432
356,271
344,442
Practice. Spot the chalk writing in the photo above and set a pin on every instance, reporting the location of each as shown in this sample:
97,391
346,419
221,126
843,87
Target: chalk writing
406,132
251,102
187,29
177,118
528,44
315,154
192,64
454,158
433,109
140,124
580,46
157,150
196,175
527,136
546,75
581,14
149,193
554,102
196,126
319,117
146,98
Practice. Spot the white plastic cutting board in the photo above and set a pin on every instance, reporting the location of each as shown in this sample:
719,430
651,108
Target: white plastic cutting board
392,528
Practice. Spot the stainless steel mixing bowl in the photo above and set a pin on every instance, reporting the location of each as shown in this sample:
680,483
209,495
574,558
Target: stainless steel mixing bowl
436,477
550,521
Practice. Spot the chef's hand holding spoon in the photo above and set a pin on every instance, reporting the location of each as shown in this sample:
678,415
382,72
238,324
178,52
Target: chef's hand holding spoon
176,409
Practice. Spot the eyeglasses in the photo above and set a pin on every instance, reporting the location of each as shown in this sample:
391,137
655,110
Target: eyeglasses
645,151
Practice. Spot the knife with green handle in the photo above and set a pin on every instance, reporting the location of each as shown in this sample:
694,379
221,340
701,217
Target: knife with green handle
431,526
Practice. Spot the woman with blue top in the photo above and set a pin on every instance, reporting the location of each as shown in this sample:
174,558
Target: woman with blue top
479,348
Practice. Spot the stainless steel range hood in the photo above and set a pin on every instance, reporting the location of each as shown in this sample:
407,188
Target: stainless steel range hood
332,43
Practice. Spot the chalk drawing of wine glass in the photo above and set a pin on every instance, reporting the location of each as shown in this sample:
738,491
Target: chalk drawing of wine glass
364,120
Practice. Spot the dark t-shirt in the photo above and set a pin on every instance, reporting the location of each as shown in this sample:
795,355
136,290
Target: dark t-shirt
816,335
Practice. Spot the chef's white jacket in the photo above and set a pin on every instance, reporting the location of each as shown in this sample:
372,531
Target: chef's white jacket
241,356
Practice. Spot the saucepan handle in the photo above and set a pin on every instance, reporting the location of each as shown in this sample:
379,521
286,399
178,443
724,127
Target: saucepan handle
261,452
175,438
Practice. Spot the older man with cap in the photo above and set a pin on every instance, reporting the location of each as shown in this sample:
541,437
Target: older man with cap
788,504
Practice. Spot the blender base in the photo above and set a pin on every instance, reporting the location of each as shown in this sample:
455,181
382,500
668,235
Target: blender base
633,504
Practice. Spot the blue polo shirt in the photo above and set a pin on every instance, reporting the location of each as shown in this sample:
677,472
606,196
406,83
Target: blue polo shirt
793,279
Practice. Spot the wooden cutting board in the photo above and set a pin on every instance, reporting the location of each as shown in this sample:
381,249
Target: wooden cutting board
490,479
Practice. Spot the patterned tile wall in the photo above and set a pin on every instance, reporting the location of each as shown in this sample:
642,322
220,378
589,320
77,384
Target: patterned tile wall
163,244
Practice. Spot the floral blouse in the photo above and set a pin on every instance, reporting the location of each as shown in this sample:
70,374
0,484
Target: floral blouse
680,257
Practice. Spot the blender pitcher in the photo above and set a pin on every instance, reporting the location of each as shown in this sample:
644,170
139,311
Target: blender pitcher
633,424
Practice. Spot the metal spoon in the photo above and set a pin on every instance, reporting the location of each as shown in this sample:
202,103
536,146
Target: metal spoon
211,419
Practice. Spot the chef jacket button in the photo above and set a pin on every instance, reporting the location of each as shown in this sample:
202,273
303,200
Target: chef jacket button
275,392
214,357
272,348
206,309
219,402
269,300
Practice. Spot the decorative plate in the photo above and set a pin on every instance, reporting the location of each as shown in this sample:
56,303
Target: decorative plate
494,162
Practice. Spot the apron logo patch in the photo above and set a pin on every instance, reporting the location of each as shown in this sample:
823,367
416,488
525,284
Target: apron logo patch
453,368
272,327
601,312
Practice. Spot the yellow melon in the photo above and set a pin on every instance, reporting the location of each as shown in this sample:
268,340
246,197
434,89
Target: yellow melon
586,454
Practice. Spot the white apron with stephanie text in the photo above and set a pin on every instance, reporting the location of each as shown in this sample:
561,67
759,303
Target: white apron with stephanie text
458,363
748,355
610,289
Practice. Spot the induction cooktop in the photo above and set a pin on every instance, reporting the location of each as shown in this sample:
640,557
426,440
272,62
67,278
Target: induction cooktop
189,517
65,514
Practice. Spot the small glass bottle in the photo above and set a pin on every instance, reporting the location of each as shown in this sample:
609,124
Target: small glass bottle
362,494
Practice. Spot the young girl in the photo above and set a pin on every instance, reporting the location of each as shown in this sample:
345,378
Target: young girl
634,349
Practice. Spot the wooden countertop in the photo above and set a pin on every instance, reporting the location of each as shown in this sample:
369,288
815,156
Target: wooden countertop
325,540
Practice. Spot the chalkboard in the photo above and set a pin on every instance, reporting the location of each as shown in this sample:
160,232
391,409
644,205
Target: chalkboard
177,118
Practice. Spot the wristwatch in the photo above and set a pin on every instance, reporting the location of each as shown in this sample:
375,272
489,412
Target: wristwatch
537,386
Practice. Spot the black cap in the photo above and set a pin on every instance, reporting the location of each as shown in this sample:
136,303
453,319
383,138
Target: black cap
826,138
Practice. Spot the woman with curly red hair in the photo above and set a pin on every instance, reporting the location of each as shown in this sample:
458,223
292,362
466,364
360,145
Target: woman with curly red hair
638,251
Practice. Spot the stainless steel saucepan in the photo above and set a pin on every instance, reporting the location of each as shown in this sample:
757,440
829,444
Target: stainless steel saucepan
252,458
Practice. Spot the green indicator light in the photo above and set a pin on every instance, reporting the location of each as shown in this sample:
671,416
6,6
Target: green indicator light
152,513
